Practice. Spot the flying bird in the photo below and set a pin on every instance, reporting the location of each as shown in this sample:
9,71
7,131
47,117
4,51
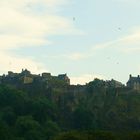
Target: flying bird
119,28
73,18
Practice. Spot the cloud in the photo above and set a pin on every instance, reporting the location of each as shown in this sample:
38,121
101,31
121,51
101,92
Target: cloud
75,56
131,50
47,3
20,26
11,63
127,1
29,23
85,78
127,43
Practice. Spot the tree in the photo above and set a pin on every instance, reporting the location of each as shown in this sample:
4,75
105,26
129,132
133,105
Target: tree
28,128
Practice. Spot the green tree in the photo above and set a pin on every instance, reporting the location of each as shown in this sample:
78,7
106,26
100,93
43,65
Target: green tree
28,128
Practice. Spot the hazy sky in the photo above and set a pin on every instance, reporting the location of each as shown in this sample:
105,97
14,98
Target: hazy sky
83,38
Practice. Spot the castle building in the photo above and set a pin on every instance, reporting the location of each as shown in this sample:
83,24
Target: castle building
27,80
134,82
25,72
46,75
64,77
11,74
26,77
114,83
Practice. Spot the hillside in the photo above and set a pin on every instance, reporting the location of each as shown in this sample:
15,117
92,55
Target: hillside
55,110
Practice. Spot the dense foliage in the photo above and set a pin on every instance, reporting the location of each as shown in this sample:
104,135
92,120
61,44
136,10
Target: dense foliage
61,112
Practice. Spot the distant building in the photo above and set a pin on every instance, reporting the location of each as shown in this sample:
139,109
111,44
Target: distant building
11,74
46,75
134,82
25,72
64,77
27,80
25,77
114,83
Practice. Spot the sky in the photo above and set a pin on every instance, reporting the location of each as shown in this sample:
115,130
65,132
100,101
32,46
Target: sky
85,39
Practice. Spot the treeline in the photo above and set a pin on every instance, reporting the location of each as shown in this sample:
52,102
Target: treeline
39,112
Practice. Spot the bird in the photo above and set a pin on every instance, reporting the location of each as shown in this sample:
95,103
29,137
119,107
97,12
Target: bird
119,28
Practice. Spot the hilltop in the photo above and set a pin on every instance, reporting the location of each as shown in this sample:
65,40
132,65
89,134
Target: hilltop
49,80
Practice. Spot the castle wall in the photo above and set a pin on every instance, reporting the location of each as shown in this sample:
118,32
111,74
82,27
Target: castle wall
134,83
136,86
27,80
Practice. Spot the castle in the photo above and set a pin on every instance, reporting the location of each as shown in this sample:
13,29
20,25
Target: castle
25,77
134,82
